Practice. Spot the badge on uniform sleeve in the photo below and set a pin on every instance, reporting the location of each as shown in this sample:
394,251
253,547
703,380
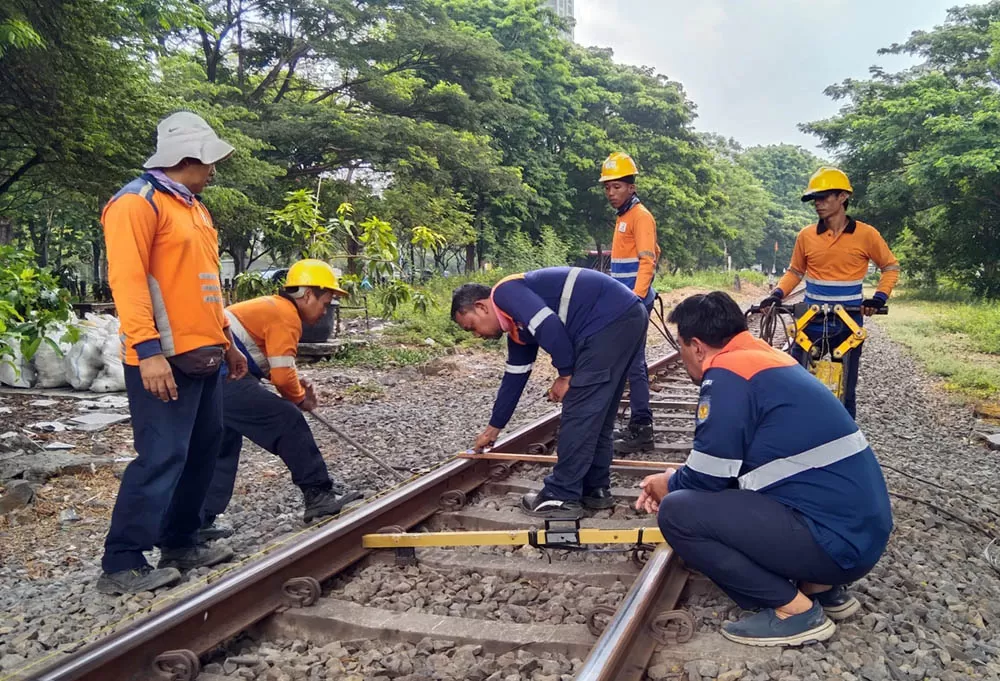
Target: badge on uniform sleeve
622,226
704,407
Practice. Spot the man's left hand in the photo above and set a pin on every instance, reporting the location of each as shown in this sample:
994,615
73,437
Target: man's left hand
872,305
236,363
559,389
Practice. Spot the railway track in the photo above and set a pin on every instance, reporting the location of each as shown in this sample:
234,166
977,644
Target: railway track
605,613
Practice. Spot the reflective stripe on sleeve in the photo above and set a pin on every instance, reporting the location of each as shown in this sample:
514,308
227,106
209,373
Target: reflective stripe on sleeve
715,466
817,457
537,320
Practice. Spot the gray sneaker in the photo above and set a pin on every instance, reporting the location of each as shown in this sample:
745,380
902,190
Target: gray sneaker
194,557
765,628
838,603
139,579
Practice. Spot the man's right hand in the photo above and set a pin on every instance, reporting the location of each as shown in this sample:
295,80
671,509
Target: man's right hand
158,377
654,488
309,402
773,299
487,438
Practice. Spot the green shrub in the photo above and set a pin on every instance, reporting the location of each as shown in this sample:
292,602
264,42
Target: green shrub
31,302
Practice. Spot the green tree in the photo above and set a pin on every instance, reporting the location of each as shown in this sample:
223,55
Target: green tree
921,147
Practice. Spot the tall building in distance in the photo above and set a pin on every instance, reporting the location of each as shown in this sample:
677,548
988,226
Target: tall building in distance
564,8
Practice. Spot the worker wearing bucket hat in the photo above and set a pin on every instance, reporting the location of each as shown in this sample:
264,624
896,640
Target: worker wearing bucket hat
163,267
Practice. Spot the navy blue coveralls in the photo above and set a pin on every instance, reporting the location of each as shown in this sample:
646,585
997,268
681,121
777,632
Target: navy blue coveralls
780,487
275,424
592,326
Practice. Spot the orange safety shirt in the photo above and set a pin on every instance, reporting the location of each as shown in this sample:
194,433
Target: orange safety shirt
268,329
834,267
634,251
163,268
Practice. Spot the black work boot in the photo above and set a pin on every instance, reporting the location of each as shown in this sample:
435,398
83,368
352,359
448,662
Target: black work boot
323,501
597,499
539,505
209,531
638,438
134,581
192,557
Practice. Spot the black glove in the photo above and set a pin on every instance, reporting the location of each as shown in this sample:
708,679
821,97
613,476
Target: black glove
773,299
877,303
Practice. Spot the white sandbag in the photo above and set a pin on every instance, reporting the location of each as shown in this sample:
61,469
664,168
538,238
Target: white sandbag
16,371
85,359
111,379
49,364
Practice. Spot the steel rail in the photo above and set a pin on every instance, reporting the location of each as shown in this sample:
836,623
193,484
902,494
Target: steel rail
623,651
245,595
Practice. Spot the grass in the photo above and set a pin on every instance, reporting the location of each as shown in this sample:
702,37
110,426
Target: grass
381,356
713,279
364,392
958,341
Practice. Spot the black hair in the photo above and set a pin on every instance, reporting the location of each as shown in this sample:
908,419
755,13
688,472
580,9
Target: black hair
712,318
628,179
467,295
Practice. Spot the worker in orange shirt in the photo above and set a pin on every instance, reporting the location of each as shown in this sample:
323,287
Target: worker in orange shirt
267,331
163,267
833,257
634,253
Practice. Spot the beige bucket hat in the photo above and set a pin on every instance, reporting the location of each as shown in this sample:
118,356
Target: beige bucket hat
186,135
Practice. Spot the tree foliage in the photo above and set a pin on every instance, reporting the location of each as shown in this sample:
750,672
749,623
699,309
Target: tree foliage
469,120
921,148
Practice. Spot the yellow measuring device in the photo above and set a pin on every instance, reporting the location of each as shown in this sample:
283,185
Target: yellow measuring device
557,533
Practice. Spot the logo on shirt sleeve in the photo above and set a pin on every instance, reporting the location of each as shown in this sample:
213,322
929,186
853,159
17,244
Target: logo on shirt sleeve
704,407
622,227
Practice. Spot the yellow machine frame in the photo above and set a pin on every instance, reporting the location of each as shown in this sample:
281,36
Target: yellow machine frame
829,371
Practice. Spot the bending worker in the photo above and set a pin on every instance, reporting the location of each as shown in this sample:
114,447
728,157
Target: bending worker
592,326
833,257
781,501
163,267
267,331
634,253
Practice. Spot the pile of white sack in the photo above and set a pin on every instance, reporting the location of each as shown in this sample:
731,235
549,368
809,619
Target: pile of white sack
93,362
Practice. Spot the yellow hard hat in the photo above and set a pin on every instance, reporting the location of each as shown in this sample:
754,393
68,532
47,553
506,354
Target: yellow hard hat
617,166
825,180
310,272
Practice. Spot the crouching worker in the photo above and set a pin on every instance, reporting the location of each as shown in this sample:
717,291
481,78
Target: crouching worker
267,331
781,501
592,326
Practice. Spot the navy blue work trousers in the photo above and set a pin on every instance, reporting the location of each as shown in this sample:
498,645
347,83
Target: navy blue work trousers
754,548
162,490
638,376
838,333
591,405
274,423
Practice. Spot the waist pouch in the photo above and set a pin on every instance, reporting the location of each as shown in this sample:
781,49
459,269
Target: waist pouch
199,362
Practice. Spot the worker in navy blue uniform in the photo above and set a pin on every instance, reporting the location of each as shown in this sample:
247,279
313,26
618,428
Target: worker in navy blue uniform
592,326
781,501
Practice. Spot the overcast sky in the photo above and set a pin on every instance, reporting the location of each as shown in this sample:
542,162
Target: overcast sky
757,68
